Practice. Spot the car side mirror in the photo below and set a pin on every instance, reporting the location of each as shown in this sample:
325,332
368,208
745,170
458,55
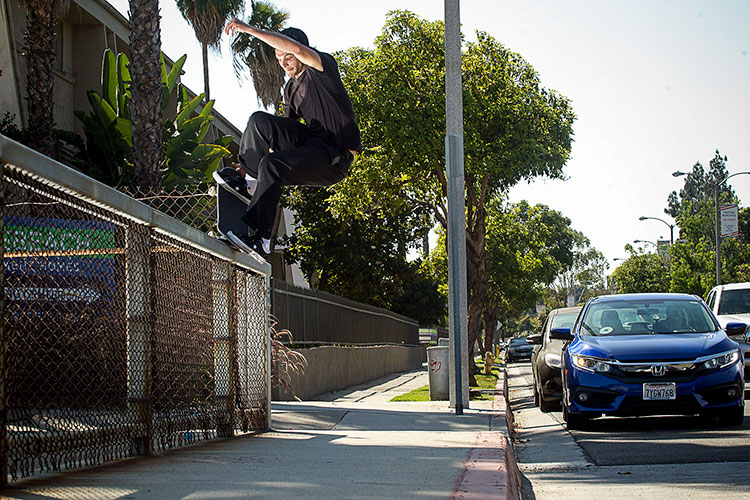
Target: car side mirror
561,334
733,328
535,338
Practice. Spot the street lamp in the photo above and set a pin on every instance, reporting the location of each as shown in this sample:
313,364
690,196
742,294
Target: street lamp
717,219
645,241
671,226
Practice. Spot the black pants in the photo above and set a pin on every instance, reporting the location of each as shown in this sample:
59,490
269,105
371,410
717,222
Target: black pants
299,158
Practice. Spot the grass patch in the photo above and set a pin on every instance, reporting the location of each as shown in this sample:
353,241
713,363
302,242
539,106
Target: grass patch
421,394
483,382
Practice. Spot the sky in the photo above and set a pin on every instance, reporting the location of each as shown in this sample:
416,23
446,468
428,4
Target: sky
657,85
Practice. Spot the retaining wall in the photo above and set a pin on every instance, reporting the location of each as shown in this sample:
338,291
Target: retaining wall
335,368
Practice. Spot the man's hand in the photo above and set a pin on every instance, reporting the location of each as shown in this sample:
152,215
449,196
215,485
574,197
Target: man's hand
236,25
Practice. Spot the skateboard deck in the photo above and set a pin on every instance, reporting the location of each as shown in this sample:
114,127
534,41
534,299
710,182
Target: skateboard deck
230,207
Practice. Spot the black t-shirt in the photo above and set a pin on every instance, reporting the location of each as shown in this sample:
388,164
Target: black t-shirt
321,100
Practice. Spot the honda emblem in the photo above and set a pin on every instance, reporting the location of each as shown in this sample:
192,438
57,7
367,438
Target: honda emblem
658,370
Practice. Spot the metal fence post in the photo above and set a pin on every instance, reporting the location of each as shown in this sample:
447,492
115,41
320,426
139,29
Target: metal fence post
3,342
223,348
139,318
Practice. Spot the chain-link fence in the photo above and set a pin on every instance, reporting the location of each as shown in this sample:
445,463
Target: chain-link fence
123,331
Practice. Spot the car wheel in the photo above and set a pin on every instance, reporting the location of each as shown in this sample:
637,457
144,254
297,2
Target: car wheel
537,398
546,406
732,417
574,421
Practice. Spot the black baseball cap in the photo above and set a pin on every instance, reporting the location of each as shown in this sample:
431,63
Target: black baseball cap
296,34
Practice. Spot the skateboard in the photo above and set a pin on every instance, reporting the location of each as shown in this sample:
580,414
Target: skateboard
230,207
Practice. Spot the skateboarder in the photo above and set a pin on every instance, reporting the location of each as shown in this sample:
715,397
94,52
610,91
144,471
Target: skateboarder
279,151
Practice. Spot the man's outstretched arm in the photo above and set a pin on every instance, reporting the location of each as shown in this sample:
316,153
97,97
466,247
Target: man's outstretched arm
305,54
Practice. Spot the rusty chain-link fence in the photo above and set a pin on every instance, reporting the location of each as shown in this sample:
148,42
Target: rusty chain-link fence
123,331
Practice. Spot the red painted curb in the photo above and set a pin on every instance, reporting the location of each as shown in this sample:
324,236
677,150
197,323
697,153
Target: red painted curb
490,470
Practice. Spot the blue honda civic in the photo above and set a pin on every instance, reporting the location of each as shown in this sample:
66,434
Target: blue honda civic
650,354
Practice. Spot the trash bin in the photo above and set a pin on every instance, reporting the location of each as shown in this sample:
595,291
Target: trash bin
438,365
443,341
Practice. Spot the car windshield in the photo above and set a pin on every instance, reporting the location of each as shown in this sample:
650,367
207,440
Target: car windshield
518,340
638,317
735,302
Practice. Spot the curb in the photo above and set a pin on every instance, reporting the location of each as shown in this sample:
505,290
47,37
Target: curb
491,470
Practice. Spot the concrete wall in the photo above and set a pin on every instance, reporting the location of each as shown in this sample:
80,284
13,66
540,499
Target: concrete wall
335,368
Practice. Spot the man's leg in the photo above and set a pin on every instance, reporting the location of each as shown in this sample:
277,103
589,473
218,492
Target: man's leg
305,166
266,132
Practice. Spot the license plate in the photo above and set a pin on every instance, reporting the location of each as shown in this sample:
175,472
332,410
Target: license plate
657,392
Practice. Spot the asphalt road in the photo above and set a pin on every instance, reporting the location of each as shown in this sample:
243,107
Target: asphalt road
683,458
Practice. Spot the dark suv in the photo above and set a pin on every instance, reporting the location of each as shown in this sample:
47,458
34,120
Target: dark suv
545,360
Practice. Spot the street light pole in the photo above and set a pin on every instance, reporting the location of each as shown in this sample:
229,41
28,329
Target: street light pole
718,232
671,227
454,154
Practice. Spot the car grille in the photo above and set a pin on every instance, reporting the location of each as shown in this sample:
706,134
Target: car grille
640,372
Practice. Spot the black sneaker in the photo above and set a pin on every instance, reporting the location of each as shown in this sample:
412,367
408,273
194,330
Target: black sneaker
247,244
234,181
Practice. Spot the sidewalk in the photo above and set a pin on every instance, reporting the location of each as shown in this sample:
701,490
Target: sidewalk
355,444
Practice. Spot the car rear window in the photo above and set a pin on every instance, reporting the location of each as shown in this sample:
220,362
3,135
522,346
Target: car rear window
565,320
638,317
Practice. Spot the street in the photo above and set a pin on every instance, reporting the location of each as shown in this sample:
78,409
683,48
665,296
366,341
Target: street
624,458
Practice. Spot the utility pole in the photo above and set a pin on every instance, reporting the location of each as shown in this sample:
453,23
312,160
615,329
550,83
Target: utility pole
454,158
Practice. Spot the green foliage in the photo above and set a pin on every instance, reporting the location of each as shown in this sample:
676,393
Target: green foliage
514,128
527,247
362,257
642,273
109,136
692,267
250,53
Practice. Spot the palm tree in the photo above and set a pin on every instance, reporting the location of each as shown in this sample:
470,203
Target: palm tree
208,17
250,53
146,92
40,59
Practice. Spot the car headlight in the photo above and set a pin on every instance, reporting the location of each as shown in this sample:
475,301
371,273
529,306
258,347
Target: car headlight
590,364
552,360
722,360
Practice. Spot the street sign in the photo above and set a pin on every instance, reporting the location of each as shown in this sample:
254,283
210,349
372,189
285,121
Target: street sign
729,221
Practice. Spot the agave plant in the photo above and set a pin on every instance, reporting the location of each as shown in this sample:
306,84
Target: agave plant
109,132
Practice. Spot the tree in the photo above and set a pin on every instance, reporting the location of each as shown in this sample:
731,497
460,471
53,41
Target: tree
641,273
146,92
251,54
208,17
109,137
362,258
527,247
692,264
40,78
514,129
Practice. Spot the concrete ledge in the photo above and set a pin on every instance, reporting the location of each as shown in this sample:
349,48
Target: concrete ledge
335,368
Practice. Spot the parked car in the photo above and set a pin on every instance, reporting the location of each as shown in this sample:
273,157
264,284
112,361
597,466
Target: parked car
517,348
650,354
545,359
731,304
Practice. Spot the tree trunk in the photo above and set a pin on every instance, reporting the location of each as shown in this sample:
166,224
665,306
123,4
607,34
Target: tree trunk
490,319
206,89
40,78
146,90
476,266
